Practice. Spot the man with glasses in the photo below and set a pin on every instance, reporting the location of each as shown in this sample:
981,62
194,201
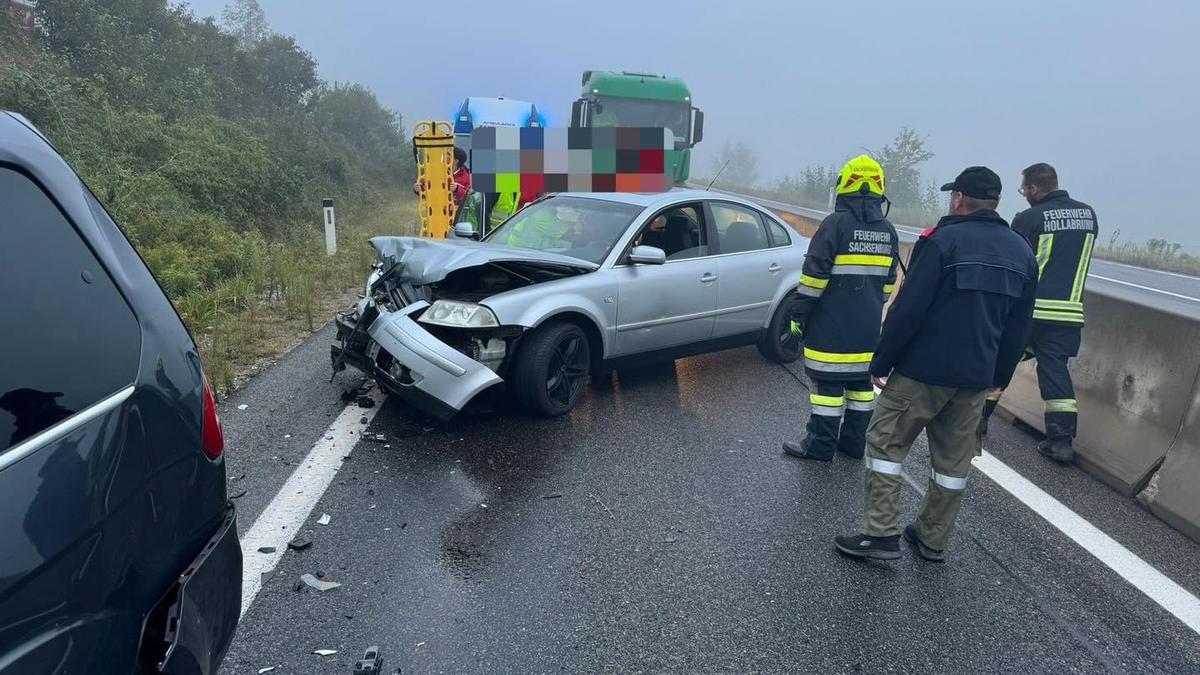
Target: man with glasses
1063,232
957,328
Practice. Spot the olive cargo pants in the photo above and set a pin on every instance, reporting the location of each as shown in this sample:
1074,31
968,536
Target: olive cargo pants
950,418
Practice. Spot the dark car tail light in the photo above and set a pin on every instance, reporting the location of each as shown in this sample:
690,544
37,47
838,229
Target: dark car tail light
212,440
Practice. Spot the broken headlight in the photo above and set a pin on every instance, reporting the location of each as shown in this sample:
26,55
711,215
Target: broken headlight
455,314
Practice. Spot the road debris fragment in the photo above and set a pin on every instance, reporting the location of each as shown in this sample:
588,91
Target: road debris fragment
371,663
319,584
606,509
325,652
266,549
243,406
365,402
299,544
238,495
324,519
552,495
266,670
374,437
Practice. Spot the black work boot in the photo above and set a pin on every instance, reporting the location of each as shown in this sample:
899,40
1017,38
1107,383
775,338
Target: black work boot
1059,449
801,450
865,546
931,554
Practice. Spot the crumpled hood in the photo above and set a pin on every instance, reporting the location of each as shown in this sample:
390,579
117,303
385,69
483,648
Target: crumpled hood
426,261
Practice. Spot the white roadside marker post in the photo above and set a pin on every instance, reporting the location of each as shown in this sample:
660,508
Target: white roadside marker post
330,235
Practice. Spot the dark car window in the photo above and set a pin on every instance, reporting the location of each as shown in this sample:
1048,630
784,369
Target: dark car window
70,339
739,229
779,233
679,231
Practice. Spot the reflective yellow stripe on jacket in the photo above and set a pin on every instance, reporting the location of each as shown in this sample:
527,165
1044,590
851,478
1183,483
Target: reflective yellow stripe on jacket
870,265
833,362
811,286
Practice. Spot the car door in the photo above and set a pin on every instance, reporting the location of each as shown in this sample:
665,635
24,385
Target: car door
668,305
72,349
749,268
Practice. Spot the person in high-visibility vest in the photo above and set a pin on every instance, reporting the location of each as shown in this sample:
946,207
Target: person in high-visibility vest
1062,232
504,205
539,229
848,274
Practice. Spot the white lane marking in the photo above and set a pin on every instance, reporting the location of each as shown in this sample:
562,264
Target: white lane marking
1144,288
1189,277
291,506
1154,584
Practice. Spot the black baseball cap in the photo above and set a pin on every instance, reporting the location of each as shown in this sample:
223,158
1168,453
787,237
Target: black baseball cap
979,182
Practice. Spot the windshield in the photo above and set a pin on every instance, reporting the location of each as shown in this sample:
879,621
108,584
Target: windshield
632,112
574,226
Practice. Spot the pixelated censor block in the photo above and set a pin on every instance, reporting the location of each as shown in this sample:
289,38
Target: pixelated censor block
604,159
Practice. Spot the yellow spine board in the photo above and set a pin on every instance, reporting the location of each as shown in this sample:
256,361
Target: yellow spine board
433,143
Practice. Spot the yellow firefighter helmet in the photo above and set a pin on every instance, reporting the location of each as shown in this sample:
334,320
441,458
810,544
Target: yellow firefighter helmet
858,172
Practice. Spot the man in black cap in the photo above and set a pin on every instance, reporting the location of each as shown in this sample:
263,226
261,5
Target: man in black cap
957,329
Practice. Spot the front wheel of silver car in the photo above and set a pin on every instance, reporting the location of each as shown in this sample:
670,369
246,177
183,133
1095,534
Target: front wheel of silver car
778,343
552,369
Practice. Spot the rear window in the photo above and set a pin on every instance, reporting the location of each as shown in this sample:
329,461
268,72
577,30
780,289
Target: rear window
70,338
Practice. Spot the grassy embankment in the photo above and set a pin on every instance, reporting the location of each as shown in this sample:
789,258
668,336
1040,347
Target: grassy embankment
213,148
267,308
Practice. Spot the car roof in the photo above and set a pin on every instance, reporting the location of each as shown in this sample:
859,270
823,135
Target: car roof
651,199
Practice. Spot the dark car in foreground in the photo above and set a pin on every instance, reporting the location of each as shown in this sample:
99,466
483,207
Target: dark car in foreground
118,547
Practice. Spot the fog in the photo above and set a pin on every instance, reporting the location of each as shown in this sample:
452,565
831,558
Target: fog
1106,92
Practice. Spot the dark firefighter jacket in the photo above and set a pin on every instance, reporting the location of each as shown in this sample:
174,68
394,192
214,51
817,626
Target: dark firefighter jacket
964,313
848,274
1062,231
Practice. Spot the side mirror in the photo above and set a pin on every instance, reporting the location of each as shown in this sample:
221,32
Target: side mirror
577,113
647,255
464,231
697,126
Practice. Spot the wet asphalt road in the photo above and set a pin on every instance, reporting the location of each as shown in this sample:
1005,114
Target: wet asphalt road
658,529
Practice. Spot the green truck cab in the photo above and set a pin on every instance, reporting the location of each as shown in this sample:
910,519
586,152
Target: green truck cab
640,100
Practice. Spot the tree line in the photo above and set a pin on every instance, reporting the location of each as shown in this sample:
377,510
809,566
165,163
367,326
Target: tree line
901,159
211,144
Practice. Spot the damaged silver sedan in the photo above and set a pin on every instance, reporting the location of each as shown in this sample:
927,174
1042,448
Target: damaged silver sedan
571,287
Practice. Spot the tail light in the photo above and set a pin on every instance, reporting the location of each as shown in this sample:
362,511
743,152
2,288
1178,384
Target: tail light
212,440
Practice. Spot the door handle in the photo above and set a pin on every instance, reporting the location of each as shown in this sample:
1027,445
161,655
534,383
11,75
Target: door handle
775,267
708,278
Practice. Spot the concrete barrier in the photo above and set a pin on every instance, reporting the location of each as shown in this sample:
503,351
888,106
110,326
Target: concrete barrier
1134,380
1174,492
1137,380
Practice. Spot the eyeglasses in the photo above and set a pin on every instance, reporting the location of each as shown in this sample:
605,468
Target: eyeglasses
1022,190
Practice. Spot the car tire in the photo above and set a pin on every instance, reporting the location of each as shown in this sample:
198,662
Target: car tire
777,344
552,369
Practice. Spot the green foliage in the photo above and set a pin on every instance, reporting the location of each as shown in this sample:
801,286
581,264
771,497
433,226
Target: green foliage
212,150
901,160
810,188
247,21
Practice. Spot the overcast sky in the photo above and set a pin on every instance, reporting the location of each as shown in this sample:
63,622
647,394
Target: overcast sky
1108,92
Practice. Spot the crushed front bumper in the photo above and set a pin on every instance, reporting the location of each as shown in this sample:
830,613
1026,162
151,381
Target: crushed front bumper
429,374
